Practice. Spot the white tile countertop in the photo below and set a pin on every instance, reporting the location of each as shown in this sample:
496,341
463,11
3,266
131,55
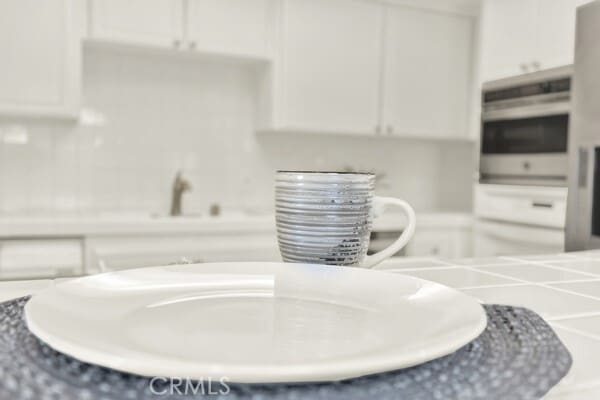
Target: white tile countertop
110,224
563,288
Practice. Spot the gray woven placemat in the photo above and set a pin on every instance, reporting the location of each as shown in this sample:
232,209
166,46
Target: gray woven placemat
518,356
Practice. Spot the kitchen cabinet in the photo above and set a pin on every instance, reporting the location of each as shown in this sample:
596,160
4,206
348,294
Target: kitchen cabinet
492,238
446,243
427,73
147,22
507,37
328,66
364,67
520,36
238,27
556,32
115,252
40,43
225,27
35,258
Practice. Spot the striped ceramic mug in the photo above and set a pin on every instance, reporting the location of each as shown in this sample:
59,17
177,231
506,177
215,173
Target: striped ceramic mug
326,218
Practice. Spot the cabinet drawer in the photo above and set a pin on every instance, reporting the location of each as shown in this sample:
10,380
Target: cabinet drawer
25,258
537,206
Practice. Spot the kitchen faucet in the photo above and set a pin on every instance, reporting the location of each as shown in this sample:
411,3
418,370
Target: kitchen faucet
180,186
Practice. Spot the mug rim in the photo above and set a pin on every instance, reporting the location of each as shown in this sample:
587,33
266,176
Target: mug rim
325,172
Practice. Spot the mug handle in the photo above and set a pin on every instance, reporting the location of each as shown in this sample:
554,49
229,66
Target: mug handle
380,203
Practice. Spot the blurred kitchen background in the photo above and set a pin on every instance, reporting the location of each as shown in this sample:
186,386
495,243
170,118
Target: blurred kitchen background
112,111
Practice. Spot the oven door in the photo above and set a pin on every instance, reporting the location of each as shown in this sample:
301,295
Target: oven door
531,150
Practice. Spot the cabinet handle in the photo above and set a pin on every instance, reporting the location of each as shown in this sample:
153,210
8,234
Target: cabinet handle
536,65
176,43
389,130
377,129
524,67
541,204
192,45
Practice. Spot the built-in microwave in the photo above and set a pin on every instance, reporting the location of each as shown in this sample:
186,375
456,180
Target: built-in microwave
524,130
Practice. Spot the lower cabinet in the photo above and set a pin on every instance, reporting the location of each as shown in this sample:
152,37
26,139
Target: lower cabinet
505,239
40,258
123,252
441,242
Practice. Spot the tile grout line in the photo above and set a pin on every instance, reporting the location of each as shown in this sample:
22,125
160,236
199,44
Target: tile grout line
499,285
572,389
567,291
561,268
595,279
564,317
497,275
557,323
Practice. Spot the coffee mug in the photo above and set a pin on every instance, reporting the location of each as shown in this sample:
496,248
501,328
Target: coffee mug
326,218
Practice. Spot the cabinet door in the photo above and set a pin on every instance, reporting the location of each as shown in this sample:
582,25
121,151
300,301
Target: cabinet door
556,32
149,22
41,57
432,244
427,74
330,66
508,37
237,27
40,258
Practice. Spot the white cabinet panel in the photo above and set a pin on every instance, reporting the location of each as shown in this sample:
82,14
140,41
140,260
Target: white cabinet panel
32,258
41,57
329,67
446,243
427,75
500,239
123,252
150,22
508,37
556,32
521,36
237,27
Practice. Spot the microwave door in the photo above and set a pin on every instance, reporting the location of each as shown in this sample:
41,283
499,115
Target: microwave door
531,151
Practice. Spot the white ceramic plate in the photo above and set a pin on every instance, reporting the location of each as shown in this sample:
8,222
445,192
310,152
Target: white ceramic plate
254,322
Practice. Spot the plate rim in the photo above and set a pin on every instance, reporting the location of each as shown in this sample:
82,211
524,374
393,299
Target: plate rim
303,372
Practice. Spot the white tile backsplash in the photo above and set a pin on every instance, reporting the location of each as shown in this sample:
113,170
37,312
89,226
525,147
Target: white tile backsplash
153,114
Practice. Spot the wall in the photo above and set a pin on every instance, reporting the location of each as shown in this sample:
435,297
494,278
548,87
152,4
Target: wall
149,115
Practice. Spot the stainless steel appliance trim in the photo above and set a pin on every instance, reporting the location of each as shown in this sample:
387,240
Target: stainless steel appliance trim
534,77
579,203
529,111
527,100
519,168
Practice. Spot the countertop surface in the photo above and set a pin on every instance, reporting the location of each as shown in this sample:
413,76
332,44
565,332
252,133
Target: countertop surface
124,224
563,288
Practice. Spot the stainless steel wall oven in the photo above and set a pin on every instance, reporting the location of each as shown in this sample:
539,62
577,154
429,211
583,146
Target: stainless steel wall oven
524,132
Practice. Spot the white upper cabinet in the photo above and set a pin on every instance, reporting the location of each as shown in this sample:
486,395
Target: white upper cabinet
328,66
556,32
427,73
520,36
237,27
508,37
41,57
147,22
231,27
